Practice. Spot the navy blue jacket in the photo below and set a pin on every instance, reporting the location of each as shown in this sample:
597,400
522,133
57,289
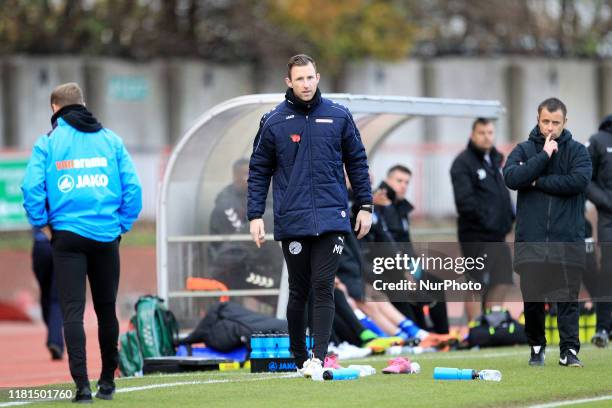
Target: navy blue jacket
303,147
550,215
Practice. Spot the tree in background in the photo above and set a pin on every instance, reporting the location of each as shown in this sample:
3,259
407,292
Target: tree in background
335,32
560,28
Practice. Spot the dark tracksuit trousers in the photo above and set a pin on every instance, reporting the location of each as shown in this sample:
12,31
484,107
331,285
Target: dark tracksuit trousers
599,284
544,282
42,263
604,309
76,258
347,326
312,263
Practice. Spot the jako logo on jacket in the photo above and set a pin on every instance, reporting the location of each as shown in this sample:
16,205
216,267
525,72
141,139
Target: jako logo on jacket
83,182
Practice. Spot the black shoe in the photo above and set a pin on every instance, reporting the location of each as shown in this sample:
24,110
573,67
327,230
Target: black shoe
83,396
55,350
105,390
600,339
570,359
538,355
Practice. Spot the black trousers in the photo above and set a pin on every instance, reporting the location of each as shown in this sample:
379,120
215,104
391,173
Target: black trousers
76,258
42,263
604,309
544,282
312,263
346,326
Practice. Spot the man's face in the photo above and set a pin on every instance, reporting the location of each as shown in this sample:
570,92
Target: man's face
551,123
304,81
398,181
241,176
483,136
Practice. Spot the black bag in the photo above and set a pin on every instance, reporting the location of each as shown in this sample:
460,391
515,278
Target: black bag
496,329
228,326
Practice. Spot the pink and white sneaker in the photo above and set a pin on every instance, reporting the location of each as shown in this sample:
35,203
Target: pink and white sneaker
331,361
398,365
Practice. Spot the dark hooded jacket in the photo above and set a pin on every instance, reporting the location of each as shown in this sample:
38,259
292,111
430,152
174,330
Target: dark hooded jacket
483,202
599,191
550,212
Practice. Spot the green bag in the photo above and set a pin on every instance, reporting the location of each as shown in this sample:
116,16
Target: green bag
130,357
156,327
153,332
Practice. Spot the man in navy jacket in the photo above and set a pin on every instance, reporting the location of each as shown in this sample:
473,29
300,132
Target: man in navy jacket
304,144
551,172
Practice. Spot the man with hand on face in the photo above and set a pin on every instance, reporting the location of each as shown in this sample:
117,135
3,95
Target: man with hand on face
303,145
484,212
551,172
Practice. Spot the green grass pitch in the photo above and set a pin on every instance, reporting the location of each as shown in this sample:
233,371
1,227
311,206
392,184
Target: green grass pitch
521,385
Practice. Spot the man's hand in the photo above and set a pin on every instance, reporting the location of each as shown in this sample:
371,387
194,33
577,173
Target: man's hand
257,231
550,146
363,223
380,198
47,231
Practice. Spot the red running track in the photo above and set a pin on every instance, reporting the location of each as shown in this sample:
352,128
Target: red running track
25,360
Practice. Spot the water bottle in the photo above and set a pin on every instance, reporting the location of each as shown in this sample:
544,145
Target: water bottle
490,375
270,345
447,373
398,350
283,346
364,370
394,350
257,350
341,374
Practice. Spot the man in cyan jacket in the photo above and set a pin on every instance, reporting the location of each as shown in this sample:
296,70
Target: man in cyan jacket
303,144
551,172
599,193
81,184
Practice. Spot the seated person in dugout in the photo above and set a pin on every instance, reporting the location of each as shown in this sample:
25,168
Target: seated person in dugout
238,264
393,212
382,312
390,229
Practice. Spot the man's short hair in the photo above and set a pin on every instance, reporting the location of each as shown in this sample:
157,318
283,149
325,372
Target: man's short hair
553,105
239,163
400,168
67,94
480,121
299,60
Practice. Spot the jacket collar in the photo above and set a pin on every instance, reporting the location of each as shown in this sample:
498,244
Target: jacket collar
494,155
296,103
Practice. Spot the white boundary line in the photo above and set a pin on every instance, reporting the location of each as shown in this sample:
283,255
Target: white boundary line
572,402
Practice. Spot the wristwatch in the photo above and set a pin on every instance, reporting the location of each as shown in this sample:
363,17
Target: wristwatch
367,207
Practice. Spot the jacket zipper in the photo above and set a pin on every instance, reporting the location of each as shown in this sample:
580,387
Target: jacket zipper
548,223
314,208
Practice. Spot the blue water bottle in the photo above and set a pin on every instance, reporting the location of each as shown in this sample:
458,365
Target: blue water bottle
446,373
283,346
270,345
257,349
341,374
